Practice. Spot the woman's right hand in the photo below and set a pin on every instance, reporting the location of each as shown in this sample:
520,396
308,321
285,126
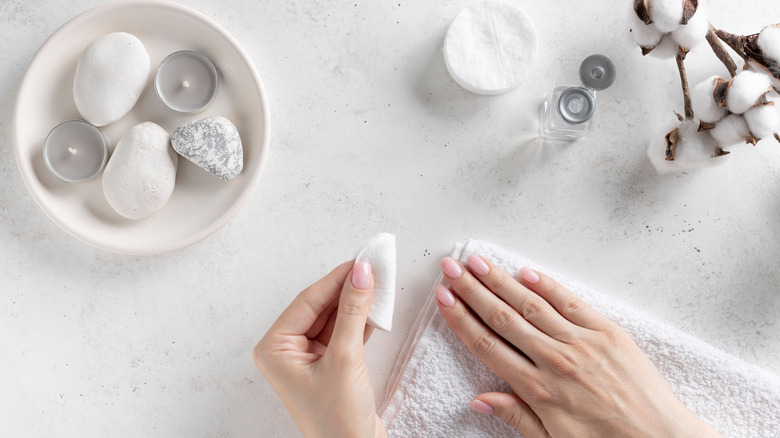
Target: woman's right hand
573,371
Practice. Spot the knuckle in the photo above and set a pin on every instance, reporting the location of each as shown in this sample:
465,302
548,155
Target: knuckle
500,281
513,419
615,336
341,355
530,308
572,305
258,355
485,345
470,287
501,319
353,308
537,392
265,354
563,365
553,287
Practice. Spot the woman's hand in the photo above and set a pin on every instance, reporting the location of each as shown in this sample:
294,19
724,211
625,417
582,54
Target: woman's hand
573,371
313,356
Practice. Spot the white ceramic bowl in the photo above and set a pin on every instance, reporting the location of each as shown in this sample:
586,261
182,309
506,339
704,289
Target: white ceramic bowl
200,203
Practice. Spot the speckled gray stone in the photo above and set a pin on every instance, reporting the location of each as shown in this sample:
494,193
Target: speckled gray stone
213,144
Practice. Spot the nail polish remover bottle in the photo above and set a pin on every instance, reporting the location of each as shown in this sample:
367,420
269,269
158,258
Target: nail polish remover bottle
569,110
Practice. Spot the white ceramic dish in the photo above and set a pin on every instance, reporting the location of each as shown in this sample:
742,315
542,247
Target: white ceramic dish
200,203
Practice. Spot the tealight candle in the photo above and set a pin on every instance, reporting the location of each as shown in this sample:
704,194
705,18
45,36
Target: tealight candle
75,151
186,81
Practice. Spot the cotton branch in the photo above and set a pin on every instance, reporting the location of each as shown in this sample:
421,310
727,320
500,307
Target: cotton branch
684,81
734,41
720,51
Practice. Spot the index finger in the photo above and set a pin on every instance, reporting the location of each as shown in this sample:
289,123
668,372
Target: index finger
304,310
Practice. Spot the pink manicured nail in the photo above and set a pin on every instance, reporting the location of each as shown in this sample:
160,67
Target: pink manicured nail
444,296
529,276
478,265
481,407
361,275
451,268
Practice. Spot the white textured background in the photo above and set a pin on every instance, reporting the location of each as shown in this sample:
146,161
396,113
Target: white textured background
370,134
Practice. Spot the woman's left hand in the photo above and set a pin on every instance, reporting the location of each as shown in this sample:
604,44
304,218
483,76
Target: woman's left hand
313,356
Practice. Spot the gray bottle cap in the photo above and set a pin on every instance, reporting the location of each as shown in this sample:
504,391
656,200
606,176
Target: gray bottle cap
597,72
576,105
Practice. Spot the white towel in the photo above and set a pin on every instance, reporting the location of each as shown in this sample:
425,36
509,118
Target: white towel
436,376
379,251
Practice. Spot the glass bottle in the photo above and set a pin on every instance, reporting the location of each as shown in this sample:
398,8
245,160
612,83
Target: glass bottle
569,110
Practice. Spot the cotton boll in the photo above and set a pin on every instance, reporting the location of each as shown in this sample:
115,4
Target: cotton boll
666,14
692,34
769,43
704,105
745,90
645,35
730,131
666,49
762,121
656,152
695,149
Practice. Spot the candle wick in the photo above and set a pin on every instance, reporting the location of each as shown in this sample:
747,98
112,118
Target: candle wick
185,84
72,150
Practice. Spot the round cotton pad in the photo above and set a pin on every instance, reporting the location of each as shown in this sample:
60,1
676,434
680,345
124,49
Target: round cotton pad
490,47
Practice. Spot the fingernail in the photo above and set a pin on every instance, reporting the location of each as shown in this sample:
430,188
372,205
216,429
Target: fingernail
478,265
451,268
361,275
444,296
481,407
529,275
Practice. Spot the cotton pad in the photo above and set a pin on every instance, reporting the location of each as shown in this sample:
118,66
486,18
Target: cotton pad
490,47
379,252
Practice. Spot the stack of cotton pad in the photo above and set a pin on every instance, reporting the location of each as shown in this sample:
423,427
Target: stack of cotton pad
490,47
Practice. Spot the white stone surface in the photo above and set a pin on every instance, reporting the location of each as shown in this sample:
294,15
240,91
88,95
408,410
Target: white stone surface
370,134
110,77
141,175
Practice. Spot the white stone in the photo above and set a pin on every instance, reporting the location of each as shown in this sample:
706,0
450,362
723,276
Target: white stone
141,174
213,144
490,47
111,75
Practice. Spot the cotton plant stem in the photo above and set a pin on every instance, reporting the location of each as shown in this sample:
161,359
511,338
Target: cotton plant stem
734,41
720,51
684,81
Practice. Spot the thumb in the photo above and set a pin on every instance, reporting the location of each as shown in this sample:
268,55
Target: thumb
512,411
354,303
